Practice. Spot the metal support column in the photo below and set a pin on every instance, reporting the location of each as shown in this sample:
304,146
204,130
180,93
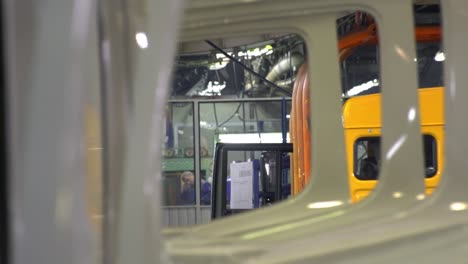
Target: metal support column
196,136
284,131
115,107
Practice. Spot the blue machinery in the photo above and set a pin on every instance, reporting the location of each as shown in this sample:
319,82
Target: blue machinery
268,185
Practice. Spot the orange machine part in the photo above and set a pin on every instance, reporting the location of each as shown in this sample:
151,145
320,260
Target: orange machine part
299,136
292,140
369,36
306,129
299,150
358,38
292,135
428,33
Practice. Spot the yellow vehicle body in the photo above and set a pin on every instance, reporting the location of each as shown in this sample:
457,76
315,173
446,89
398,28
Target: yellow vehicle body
362,119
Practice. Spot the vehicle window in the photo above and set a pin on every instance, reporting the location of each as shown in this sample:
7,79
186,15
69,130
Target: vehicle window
367,157
367,152
178,156
255,179
268,172
234,91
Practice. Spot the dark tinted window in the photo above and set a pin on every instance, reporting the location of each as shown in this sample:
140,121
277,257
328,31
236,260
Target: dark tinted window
367,157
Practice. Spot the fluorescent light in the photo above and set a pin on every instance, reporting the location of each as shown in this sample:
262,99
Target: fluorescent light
267,50
363,87
218,65
142,40
440,56
206,125
222,56
252,138
239,138
213,88
223,61
256,52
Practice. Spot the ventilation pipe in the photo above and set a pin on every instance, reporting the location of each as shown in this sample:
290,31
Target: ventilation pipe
285,65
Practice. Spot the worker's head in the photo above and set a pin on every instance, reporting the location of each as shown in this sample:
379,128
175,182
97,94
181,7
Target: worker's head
187,178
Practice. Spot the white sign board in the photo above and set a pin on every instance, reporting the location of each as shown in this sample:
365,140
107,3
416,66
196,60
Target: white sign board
242,185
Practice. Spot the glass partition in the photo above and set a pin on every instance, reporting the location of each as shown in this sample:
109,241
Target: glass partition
178,156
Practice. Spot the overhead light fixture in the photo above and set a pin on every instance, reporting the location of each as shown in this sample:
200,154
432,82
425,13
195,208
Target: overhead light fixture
206,125
214,88
362,87
218,65
440,56
252,138
221,61
255,52
222,56
267,50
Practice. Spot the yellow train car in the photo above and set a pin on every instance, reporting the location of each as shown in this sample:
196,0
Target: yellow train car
362,129
362,125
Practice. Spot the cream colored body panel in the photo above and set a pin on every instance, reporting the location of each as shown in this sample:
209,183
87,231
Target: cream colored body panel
45,71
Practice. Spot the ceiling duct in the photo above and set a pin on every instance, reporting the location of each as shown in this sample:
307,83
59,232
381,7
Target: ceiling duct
289,63
281,68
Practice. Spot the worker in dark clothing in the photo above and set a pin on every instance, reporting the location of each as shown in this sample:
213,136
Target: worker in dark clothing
370,165
205,193
187,196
